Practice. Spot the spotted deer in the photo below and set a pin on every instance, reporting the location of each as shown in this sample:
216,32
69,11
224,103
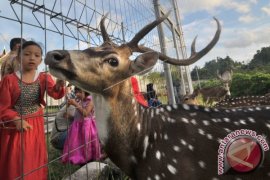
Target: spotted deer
170,142
244,101
217,93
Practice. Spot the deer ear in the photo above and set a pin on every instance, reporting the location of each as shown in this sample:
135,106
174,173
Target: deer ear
144,63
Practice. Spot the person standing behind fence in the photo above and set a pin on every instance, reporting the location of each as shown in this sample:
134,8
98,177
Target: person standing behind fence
152,96
23,152
9,64
82,144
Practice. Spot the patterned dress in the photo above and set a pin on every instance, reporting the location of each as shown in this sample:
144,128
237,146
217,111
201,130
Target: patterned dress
23,155
82,144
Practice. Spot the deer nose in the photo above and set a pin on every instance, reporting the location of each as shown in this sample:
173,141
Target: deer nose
54,57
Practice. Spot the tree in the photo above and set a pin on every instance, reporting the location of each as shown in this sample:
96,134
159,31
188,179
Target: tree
261,59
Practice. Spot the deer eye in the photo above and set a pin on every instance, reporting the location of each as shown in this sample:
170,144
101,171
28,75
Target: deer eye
113,62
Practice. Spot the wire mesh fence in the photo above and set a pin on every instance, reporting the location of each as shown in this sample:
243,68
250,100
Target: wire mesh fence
74,24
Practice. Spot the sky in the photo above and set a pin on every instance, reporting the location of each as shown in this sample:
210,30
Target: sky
245,26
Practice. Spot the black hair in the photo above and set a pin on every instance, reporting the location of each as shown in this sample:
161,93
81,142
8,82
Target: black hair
76,90
15,41
29,43
151,93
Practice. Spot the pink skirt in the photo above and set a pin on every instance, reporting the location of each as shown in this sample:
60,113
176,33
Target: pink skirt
82,143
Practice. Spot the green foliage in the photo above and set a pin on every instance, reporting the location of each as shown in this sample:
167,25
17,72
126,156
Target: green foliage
250,84
260,59
209,71
208,83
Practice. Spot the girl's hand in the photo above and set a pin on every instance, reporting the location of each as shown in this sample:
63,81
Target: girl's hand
22,125
72,102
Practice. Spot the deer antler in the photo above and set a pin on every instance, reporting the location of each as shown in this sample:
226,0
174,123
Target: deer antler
194,55
104,33
133,44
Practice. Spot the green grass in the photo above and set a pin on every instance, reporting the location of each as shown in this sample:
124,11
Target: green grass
58,170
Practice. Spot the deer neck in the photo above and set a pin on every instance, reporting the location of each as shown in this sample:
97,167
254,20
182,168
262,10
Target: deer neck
112,111
119,122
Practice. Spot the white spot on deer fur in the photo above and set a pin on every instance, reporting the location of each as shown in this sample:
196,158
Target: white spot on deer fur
157,111
193,121
209,136
162,109
236,123
158,155
174,160
227,111
166,136
133,159
218,120
155,135
193,114
226,119
250,109
185,120
201,131
183,142
152,113
258,108
163,175
145,143
216,110
190,147
171,169
172,120
214,120
206,109
206,123
169,108
267,125
157,177
201,164
251,119
148,178
186,106
196,107
242,121
163,118
175,106
176,148
227,130
139,126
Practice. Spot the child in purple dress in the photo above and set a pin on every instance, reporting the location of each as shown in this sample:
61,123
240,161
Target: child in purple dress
82,144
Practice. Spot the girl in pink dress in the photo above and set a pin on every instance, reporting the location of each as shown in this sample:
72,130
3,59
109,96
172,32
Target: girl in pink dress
82,144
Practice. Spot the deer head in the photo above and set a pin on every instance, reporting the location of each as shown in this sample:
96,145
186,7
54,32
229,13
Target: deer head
190,99
225,79
169,142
